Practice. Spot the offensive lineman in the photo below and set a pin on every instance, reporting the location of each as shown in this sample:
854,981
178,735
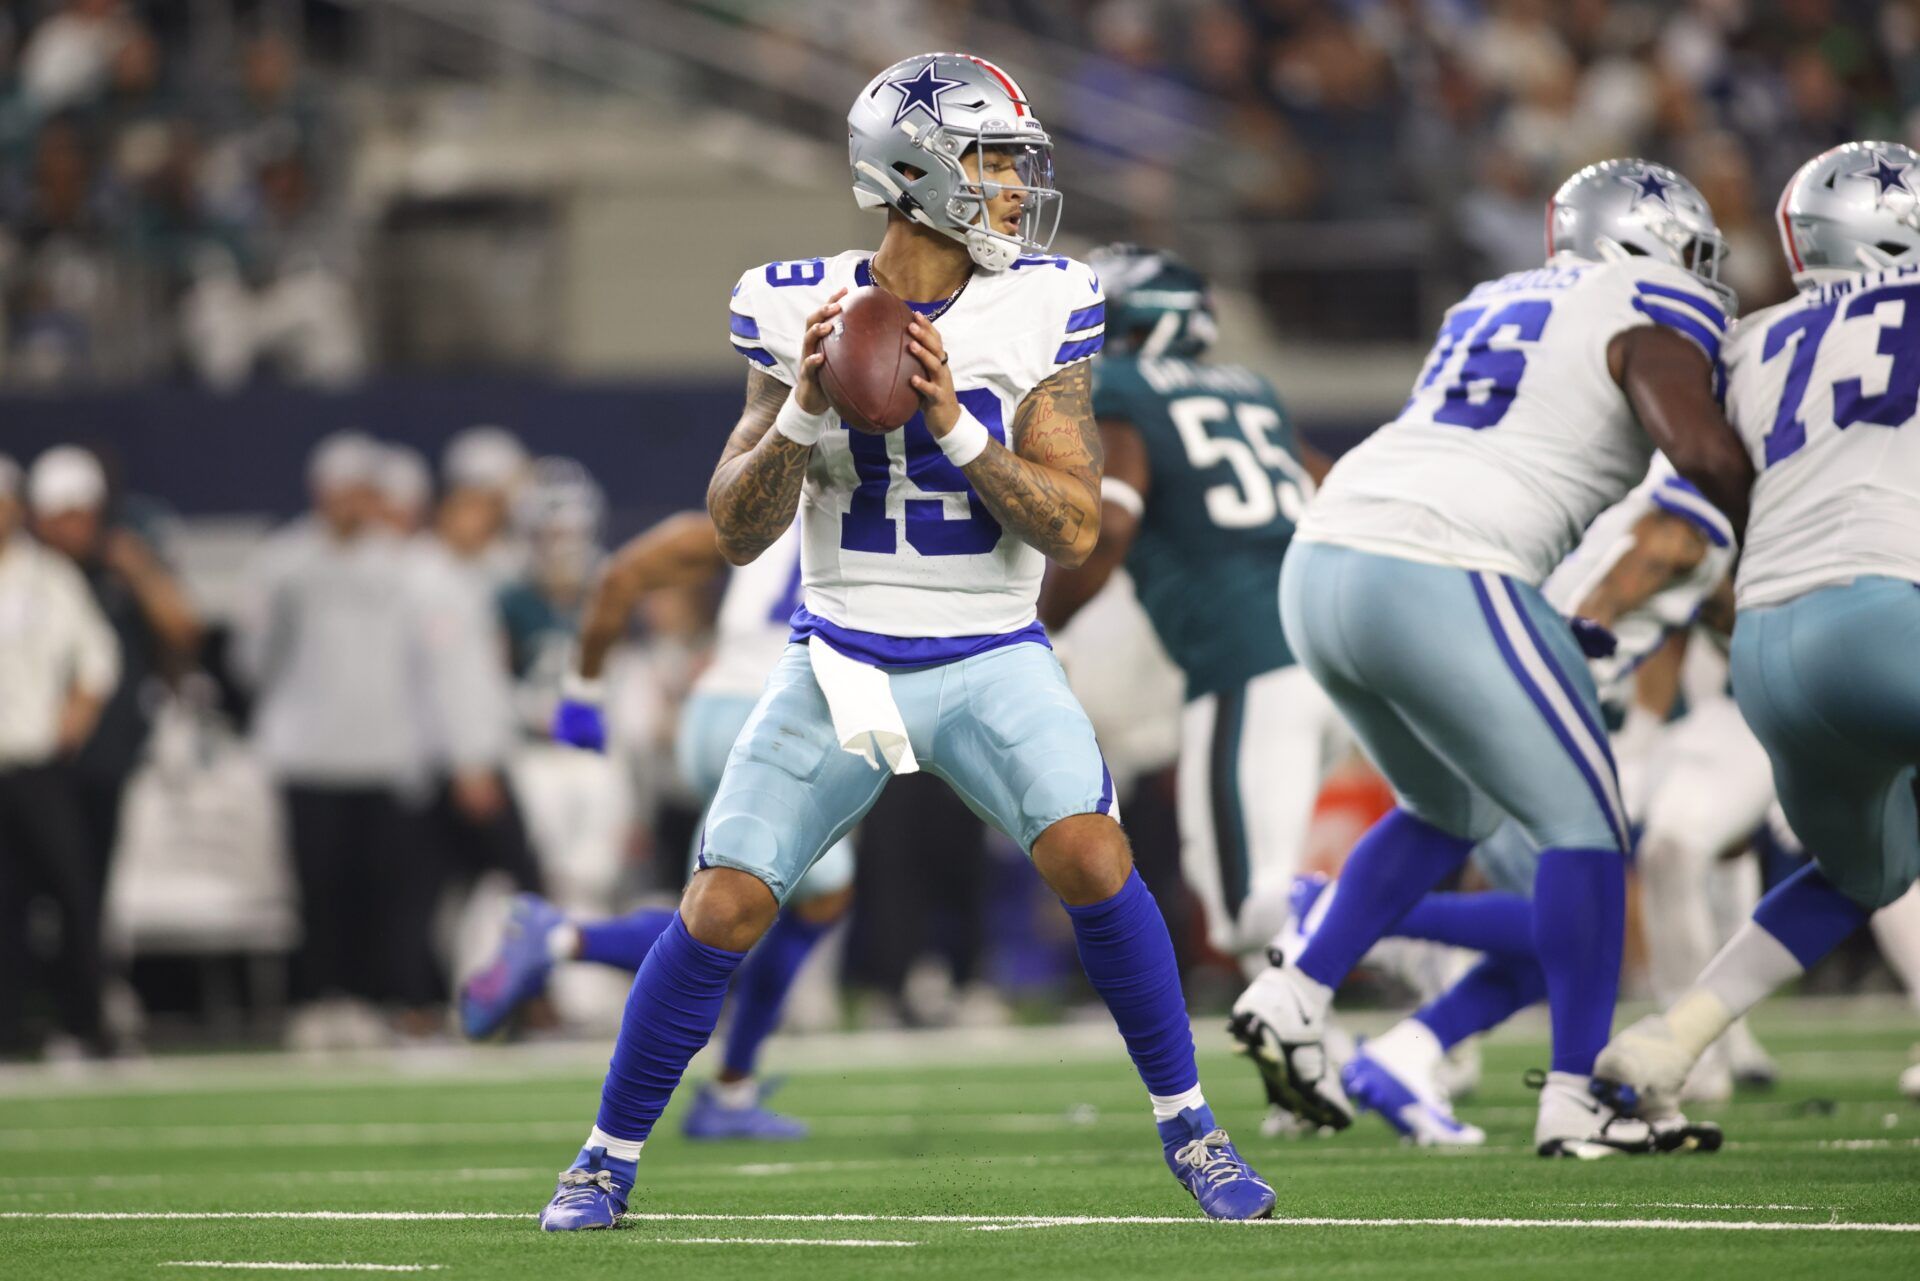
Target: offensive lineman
916,642
750,633
1823,391
1411,593
1205,478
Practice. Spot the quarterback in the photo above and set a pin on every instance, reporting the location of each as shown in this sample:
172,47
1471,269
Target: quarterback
916,644
1411,592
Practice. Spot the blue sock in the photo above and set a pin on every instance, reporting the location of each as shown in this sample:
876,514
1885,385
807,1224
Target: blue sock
625,941
764,981
1808,915
670,1014
1128,956
1497,923
1394,865
1485,997
1579,924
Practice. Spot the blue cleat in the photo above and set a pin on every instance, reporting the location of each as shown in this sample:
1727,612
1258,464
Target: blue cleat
709,1119
518,970
593,1194
1203,1159
1418,1114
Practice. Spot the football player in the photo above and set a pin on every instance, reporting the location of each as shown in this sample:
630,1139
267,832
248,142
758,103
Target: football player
1411,593
680,551
1823,390
1205,478
1646,568
916,644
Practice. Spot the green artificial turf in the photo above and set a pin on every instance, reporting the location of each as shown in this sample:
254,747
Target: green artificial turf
989,1129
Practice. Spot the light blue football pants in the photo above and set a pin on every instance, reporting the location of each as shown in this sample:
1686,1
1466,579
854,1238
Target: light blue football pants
710,724
1465,687
1001,728
1830,683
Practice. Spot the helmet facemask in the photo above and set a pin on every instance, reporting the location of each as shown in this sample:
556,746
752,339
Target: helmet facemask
946,197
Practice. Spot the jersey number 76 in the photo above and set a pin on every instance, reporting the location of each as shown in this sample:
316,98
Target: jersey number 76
1486,376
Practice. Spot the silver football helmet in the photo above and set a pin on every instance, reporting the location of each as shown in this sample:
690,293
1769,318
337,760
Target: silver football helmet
1635,208
913,124
1852,209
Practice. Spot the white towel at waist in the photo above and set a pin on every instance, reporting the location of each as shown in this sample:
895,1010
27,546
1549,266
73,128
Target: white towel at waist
866,720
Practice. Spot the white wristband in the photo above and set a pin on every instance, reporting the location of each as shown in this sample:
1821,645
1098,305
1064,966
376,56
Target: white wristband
1122,495
966,440
799,426
575,688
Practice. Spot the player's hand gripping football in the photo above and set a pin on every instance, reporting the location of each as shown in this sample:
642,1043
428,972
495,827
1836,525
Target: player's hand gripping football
937,402
807,392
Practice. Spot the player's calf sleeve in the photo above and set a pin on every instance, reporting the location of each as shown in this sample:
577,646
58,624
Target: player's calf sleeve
1580,913
624,941
1128,955
764,982
1800,921
1497,923
1395,864
1485,997
670,1014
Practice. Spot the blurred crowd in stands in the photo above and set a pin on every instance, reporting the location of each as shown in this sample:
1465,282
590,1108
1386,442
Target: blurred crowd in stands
164,217
138,186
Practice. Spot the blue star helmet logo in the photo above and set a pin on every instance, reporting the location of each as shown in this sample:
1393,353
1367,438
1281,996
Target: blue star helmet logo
1890,174
921,92
1648,185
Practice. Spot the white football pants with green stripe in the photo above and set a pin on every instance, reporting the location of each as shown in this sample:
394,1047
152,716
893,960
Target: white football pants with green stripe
1252,759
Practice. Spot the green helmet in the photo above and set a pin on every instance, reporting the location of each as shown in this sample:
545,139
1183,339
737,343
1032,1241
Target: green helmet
1155,301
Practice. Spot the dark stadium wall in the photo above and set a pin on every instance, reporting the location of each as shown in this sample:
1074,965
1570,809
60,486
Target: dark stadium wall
652,446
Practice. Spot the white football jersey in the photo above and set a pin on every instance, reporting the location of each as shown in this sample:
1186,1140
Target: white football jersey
896,546
1642,630
1516,435
1823,391
756,616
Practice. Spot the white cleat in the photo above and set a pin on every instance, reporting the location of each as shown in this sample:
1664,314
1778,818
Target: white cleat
1578,1120
1276,1029
1645,1057
1752,1066
1711,1080
1396,1075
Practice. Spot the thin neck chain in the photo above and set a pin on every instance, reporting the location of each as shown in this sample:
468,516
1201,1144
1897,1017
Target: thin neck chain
945,306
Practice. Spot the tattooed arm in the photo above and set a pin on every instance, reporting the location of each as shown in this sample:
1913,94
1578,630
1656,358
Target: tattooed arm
1046,489
756,488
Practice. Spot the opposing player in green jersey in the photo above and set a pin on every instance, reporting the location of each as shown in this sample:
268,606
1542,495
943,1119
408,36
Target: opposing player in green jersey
1205,478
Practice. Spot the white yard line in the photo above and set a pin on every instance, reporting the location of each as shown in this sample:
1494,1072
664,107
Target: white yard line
238,1266
983,1222
1693,1205
784,1241
1631,1225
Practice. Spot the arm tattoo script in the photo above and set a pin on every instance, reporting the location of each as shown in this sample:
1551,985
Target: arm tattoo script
1046,489
756,488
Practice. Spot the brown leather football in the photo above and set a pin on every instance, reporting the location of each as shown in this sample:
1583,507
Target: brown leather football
868,365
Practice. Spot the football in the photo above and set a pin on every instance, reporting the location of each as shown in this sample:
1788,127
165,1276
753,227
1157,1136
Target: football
868,367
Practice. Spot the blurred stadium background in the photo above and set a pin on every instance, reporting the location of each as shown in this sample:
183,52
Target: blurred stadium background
495,238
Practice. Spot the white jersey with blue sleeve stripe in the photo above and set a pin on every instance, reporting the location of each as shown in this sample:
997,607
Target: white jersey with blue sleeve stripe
756,613
1516,435
1642,630
1823,391
902,564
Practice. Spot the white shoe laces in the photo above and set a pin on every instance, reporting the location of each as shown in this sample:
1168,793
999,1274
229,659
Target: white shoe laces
575,1185
1210,1155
